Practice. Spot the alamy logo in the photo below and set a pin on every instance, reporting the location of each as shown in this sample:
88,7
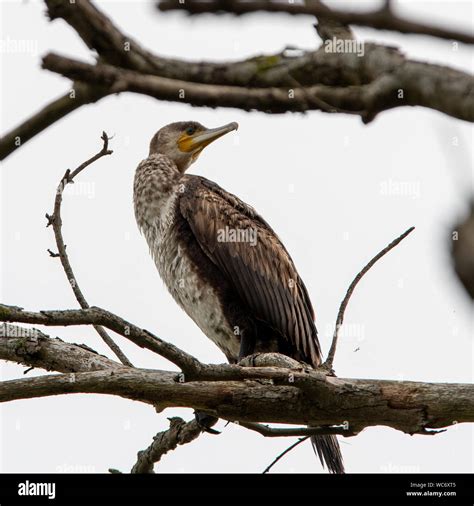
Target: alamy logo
401,188
31,488
228,234
335,45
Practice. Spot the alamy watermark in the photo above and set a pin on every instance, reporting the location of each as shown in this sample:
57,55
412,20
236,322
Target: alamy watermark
80,189
352,46
19,46
8,330
401,188
34,488
228,234
349,331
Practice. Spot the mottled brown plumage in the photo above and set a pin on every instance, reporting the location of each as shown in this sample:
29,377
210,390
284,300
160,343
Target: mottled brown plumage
221,261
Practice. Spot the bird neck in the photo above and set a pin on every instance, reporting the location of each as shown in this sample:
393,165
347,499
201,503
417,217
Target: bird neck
157,178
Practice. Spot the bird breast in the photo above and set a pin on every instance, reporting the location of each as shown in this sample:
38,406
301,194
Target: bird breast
198,298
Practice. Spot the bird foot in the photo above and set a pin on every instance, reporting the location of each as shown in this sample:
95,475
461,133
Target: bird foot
249,360
269,360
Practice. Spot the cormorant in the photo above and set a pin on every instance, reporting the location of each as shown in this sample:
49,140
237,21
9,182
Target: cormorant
221,261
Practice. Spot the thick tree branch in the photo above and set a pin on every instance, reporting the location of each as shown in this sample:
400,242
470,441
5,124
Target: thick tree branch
451,94
99,33
33,348
270,100
370,80
258,394
411,407
426,84
381,19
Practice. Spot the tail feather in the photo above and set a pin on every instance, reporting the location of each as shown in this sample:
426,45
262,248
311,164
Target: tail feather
329,453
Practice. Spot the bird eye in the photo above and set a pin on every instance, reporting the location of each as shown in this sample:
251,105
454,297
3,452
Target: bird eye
190,130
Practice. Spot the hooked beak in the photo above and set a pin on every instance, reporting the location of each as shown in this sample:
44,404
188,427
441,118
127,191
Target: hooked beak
200,140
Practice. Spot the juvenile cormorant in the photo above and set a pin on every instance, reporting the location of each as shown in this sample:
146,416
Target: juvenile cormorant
221,261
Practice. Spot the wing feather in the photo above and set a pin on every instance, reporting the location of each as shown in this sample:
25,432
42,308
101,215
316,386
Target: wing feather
262,273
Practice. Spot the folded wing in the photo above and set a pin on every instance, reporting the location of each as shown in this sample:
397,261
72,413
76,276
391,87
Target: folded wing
251,256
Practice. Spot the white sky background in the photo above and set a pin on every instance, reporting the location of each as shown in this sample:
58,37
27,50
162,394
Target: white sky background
318,179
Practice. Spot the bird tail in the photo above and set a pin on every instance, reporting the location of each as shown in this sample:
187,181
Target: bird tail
329,453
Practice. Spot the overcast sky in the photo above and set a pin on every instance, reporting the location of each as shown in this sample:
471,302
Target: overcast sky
326,183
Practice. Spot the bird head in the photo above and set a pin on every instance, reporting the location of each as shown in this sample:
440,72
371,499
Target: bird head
184,141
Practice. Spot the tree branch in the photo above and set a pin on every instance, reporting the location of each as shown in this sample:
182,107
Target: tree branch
282,454
411,407
179,433
407,85
340,315
381,19
78,96
56,221
267,431
97,316
33,348
99,33
366,82
261,394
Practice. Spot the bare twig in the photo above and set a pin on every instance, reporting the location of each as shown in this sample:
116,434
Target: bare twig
340,315
381,19
282,454
179,433
56,221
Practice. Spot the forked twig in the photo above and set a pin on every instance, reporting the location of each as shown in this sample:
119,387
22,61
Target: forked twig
56,221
